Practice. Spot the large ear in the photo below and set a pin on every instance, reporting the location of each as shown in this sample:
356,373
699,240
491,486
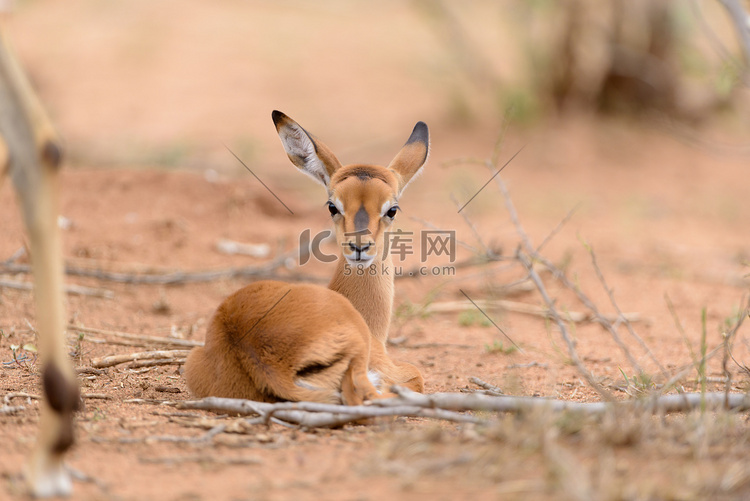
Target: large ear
412,156
306,152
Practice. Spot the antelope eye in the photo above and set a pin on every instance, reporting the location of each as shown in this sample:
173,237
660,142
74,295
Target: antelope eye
392,212
332,209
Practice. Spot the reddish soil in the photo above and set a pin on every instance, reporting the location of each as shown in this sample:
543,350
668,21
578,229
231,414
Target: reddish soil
145,96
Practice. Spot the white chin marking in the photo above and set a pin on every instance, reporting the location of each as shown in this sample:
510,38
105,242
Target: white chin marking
363,263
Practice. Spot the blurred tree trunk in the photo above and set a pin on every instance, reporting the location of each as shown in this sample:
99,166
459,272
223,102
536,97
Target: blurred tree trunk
616,56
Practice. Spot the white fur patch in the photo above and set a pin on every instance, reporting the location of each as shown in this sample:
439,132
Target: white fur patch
53,481
297,144
375,379
338,204
304,384
387,205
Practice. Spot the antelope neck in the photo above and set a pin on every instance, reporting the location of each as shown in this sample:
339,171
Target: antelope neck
370,294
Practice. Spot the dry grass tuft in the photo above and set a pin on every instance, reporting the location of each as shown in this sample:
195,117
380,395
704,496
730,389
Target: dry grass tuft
544,455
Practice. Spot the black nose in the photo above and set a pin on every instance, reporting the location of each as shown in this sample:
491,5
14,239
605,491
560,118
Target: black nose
359,249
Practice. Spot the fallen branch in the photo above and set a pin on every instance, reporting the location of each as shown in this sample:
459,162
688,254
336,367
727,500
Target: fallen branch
90,371
150,401
97,396
490,388
18,394
462,402
153,340
451,406
267,270
317,415
7,410
112,360
154,363
10,396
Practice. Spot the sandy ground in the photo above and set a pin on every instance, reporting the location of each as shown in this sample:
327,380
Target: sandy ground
147,98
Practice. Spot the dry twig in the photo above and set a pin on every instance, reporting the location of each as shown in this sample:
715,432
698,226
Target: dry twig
461,402
7,410
267,270
97,396
151,340
19,394
534,256
563,329
317,415
491,388
740,20
160,355
450,407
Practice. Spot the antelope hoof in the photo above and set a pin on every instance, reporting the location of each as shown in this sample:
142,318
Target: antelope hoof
48,478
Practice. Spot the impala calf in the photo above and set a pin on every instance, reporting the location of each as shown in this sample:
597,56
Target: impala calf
274,341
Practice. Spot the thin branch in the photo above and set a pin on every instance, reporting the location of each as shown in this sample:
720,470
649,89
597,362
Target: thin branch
620,317
728,344
90,371
491,321
588,303
267,270
7,410
433,226
496,390
740,20
20,252
473,228
712,37
446,406
154,340
136,364
684,371
19,394
529,248
97,396
112,360
563,329
150,401
559,227
477,402
317,415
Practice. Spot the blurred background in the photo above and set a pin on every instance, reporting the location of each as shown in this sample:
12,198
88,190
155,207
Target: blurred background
633,112
170,83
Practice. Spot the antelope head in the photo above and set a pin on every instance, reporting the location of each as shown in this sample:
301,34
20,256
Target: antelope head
363,199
